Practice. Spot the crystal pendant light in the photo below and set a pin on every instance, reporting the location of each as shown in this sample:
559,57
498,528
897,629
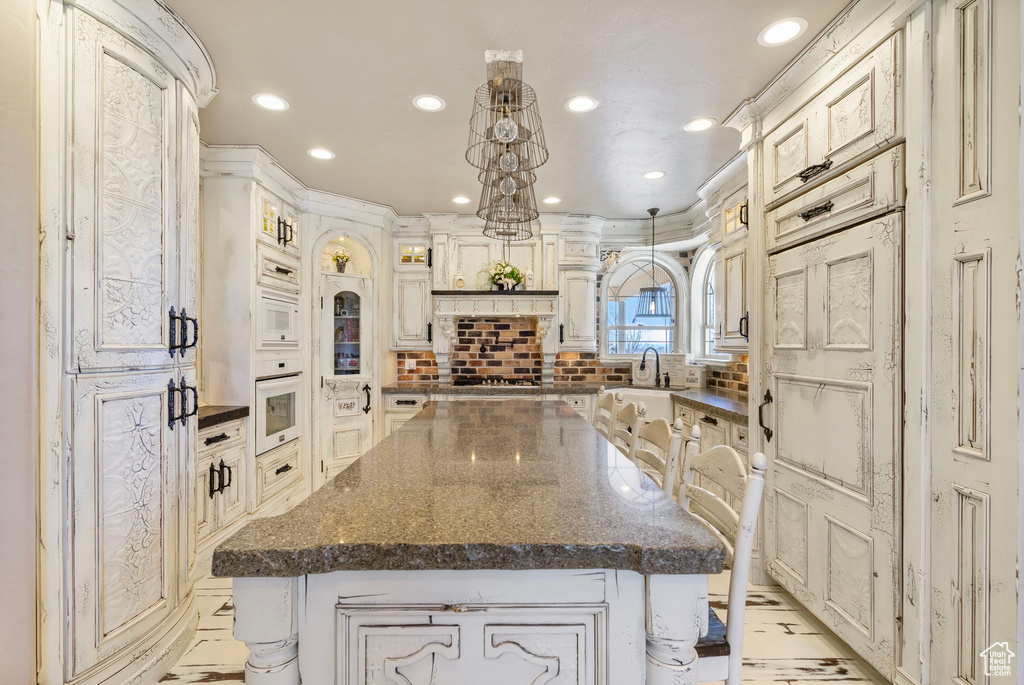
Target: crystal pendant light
654,300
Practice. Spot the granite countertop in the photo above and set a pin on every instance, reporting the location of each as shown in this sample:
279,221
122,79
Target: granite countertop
215,414
514,485
730,405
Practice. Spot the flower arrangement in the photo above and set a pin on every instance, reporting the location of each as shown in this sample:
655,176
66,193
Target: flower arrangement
505,276
341,257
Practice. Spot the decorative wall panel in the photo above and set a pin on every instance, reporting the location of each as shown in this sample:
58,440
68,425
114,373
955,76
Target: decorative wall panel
850,574
971,581
791,309
347,442
848,306
791,534
974,54
851,115
789,154
971,353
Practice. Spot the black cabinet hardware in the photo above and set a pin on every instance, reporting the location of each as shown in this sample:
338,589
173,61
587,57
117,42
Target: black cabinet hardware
709,419
212,440
280,365
214,473
184,389
561,333
406,403
430,258
815,169
760,415
284,469
745,326
366,389
282,270
430,332
224,484
745,213
171,392
172,341
282,231
185,344
291,233
823,208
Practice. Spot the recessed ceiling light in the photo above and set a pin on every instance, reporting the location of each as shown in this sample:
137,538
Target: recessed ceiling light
581,103
461,200
782,31
651,175
551,200
320,153
428,103
268,101
699,124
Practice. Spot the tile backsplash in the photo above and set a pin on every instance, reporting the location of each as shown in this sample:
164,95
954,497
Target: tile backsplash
733,376
586,366
496,347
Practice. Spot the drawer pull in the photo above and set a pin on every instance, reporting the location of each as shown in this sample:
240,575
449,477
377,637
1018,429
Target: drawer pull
280,365
216,438
282,270
407,403
709,419
815,169
284,469
823,208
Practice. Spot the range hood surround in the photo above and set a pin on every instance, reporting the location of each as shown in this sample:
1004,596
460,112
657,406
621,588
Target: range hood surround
539,306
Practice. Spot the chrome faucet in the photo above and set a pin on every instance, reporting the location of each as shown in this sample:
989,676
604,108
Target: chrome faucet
657,365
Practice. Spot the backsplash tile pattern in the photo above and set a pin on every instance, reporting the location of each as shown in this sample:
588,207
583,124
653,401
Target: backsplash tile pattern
586,366
496,347
425,371
733,376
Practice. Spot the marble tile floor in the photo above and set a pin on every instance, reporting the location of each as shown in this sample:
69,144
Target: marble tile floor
783,642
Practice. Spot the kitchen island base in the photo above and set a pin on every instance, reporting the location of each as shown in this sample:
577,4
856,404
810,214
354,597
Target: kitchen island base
501,627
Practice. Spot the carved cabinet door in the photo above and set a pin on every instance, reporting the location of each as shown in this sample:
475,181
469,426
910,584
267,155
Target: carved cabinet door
187,230
832,350
123,224
124,513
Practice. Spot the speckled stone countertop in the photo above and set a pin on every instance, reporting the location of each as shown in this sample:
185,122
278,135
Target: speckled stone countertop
729,405
215,414
514,485
447,388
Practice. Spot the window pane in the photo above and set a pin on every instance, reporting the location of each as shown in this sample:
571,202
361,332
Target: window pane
635,340
627,333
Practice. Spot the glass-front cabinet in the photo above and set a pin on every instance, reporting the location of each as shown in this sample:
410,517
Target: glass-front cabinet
348,389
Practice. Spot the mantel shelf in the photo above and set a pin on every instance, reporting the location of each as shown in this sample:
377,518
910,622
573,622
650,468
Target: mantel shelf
497,293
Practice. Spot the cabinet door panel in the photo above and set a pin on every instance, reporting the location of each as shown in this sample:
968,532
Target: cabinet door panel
578,297
232,499
734,297
123,222
411,311
123,534
188,220
205,503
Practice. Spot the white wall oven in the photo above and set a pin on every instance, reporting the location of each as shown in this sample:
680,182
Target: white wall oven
277,320
278,411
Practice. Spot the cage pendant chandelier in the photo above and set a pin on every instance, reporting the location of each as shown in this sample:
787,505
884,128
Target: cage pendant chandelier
506,145
654,301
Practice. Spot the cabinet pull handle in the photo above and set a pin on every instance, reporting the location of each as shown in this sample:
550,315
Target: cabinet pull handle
214,473
406,402
815,169
430,257
215,439
224,468
284,469
813,212
172,341
745,213
291,232
760,415
366,389
171,392
709,419
282,234
745,329
282,270
184,389
185,344
430,332
561,333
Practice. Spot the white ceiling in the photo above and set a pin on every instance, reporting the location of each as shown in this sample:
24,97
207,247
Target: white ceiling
350,68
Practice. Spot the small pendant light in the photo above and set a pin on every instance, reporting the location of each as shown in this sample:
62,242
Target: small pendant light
655,302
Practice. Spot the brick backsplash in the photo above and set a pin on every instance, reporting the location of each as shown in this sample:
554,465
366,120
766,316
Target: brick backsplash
586,366
425,371
733,376
496,348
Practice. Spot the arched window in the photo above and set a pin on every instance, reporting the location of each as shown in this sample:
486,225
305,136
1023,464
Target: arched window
708,331
702,295
625,332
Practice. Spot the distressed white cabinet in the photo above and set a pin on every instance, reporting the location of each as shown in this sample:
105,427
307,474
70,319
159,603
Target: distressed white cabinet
411,325
859,112
577,310
399,408
732,320
222,479
277,223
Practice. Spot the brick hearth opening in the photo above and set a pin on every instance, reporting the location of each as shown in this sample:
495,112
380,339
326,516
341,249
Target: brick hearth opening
496,348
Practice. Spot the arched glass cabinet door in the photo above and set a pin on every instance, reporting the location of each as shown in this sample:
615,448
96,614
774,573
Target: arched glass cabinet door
347,334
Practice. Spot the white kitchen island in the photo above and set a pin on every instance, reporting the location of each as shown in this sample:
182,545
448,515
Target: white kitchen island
499,543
